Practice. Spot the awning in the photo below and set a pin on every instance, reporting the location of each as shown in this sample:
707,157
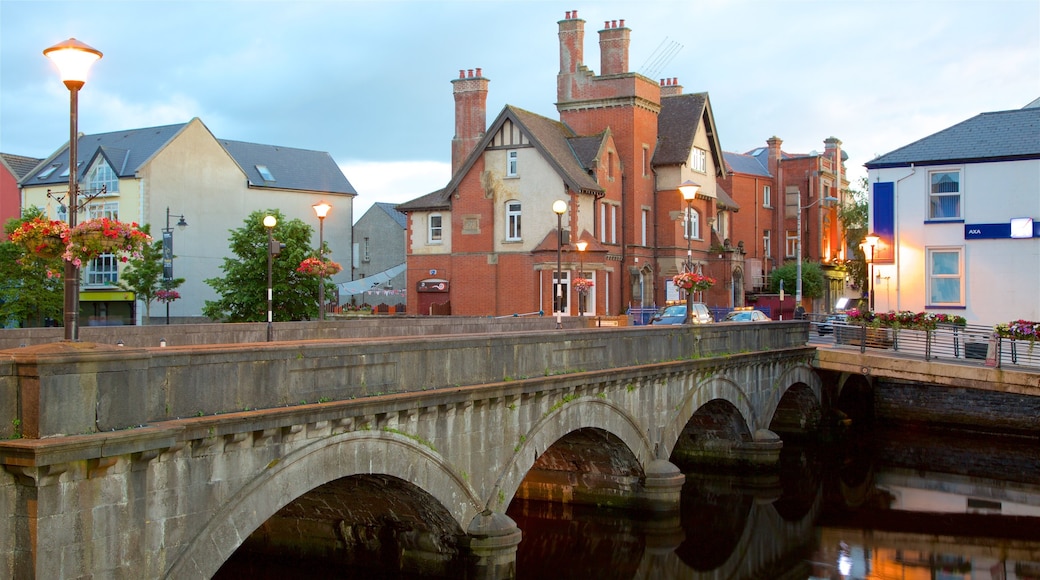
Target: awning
109,296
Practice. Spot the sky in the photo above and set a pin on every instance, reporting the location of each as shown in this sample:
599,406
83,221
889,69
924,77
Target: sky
369,82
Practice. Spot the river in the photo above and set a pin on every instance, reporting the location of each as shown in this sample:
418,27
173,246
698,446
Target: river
902,503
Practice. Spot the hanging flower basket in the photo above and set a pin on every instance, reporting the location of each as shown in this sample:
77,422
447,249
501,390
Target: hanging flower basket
583,285
319,267
95,237
167,296
41,237
693,281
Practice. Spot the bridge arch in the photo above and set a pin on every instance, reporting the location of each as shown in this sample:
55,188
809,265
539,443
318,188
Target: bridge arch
339,456
792,377
714,388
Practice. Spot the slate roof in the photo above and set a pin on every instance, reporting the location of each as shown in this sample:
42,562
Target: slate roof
997,136
391,210
677,126
19,165
745,164
126,151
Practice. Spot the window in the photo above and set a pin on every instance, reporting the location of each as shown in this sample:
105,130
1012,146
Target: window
645,221
691,224
646,159
108,209
792,243
699,160
767,199
610,165
613,224
944,200
945,279
767,244
435,231
101,176
103,271
511,164
513,221
48,172
561,294
265,173
367,256
603,222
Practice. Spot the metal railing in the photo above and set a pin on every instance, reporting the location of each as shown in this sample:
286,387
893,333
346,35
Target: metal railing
971,343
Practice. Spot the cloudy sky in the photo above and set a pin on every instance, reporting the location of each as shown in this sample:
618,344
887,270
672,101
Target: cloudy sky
369,81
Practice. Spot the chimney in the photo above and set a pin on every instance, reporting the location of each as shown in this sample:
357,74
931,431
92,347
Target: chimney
572,40
470,89
774,144
613,47
670,87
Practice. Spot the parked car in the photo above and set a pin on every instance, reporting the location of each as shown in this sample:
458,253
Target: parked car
676,314
746,315
826,326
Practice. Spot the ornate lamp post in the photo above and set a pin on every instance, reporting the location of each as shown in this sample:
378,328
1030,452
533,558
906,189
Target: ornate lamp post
581,245
321,209
269,222
798,268
559,207
689,189
167,252
73,59
872,240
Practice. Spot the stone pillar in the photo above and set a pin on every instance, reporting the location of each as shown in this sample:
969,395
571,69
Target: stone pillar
662,488
493,538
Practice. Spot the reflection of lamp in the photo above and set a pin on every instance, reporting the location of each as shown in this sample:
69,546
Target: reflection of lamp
798,274
871,240
559,207
269,222
321,209
688,189
581,245
73,59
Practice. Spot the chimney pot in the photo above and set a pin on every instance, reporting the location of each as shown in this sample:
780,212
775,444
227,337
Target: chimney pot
621,23
469,73
675,80
606,24
662,82
574,13
613,23
462,74
479,73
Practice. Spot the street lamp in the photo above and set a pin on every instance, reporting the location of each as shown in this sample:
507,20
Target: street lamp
321,209
798,274
581,245
872,240
167,253
269,222
73,59
559,207
688,189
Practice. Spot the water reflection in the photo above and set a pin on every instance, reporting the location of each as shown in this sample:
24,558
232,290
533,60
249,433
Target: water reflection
911,504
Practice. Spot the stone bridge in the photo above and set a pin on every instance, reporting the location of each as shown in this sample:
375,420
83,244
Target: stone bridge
162,462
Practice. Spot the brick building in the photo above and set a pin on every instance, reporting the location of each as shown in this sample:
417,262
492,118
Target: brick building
488,243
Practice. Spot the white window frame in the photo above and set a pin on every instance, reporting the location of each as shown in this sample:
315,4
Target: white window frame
103,271
106,209
435,233
613,223
936,278
791,247
645,220
767,196
767,244
691,224
101,175
512,164
514,211
699,160
603,222
564,293
936,198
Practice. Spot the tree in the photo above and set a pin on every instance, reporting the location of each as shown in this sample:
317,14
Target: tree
31,287
854,220
812,279
143,275
243,289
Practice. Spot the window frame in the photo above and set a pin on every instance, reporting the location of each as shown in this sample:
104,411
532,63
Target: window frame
431,236
791,244
767,196
102,271
932,277
512,163
936,198
691,224
107,177
699,160
513,216
767,244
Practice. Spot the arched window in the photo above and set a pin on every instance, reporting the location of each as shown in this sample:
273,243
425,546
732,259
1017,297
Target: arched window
513,220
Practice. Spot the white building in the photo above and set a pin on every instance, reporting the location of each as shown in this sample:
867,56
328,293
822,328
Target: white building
958,215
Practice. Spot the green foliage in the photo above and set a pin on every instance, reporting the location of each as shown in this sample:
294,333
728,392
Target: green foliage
143,275
812,279
243,288
28,295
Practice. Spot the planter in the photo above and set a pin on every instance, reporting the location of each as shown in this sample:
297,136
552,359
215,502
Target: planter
854,335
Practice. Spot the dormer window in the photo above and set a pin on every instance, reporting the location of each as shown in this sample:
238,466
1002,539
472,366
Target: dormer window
265,173
48,172
101,177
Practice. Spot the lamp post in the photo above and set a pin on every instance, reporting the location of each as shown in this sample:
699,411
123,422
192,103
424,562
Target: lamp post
581,245
872,240
73,59
559,207
798,274
167,252
689,189
321,209
269,222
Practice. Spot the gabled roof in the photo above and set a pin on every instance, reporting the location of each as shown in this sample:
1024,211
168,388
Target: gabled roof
745,164
553,139
997,136
391,210
677,125
297,169
19,165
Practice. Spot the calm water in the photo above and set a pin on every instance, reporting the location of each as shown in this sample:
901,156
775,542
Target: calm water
911,504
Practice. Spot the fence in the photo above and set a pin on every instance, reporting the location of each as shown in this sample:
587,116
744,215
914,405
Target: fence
967,343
